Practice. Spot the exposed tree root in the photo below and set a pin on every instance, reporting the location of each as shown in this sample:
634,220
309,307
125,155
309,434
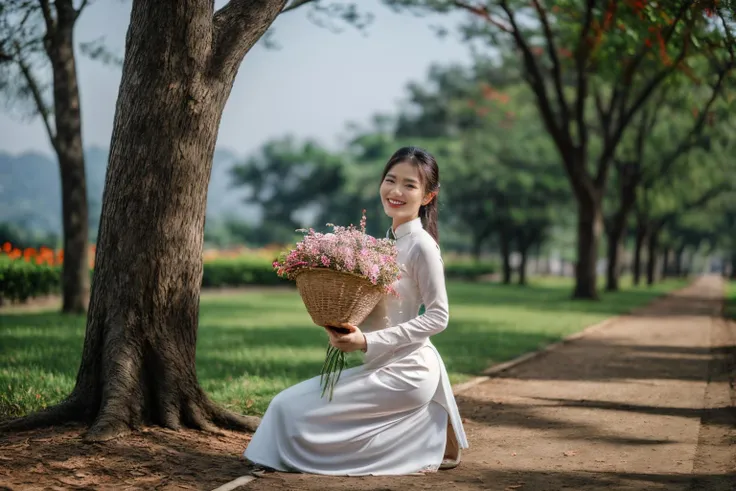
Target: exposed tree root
229,420
207,417
67,411
105,428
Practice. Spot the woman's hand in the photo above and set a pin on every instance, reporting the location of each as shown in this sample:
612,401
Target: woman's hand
353,340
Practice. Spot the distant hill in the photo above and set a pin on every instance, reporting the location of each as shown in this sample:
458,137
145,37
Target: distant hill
30,190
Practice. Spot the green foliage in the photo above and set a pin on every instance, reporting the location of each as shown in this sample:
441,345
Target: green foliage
502,171
287,178
730,307
21,280
469,270
240,271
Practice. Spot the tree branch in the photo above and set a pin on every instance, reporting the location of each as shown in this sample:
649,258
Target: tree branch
82,6
561,137
691,141
703,200
628,113
295,4
482,12
581,58
237,27
556,70
47,16
41,107
628,73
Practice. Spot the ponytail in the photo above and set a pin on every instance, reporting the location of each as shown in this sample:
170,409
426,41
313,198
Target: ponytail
429,215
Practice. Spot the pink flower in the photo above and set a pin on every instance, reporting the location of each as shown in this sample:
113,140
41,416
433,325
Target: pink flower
346,249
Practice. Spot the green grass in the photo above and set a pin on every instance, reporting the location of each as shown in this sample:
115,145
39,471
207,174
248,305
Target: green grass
252,345
730,311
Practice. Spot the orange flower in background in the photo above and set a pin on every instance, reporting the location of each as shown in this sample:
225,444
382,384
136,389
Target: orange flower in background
7,247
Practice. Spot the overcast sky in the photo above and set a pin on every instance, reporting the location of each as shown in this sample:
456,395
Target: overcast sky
311,87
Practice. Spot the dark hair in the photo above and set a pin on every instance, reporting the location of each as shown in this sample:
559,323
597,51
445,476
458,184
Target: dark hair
429,173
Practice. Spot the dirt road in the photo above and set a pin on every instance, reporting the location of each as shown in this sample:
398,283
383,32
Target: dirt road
644,403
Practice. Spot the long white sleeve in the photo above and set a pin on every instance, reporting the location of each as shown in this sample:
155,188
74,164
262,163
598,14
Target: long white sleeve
426,269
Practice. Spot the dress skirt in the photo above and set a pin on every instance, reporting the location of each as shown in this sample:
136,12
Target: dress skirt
383,419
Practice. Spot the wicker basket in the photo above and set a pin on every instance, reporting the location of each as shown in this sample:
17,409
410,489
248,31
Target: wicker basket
334,297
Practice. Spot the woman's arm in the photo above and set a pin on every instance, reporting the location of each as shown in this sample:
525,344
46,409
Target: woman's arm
428,272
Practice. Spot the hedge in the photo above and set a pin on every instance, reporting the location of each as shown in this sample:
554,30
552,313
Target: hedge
469,270
20,280
240,271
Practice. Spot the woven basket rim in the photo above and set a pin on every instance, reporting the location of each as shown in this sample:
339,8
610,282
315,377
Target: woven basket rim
346,273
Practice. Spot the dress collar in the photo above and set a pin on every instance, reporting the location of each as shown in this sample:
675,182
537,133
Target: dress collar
405,229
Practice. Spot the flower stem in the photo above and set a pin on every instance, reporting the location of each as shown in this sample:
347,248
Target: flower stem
331,370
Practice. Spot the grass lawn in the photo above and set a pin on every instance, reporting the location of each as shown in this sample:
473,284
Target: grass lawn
731,300
254,344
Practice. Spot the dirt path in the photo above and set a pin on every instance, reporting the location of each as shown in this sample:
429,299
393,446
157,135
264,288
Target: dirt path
643,403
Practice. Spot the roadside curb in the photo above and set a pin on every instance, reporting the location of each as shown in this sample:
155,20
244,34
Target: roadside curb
498,368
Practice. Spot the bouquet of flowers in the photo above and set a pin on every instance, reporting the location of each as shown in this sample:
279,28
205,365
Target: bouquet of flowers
341,276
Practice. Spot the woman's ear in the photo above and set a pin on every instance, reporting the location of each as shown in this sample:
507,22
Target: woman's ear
428,198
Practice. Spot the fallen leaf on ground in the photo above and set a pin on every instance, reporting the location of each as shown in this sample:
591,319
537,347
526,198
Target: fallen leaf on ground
569,453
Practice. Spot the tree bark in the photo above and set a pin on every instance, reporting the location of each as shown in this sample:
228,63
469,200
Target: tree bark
477,246
67,143
505,242
733,265
524,251
590,225
617,232
679,262
652,253
666,263
642,238
138,360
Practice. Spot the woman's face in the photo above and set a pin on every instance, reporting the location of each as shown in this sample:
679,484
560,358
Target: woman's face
402,193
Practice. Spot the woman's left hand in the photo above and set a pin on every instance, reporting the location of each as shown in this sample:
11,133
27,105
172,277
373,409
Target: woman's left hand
351,341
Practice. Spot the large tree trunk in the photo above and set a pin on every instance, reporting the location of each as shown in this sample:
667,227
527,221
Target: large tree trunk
642,238
68,146
590,225
733,265
138,360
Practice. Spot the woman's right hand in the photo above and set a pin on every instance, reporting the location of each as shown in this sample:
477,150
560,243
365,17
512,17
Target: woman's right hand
346,338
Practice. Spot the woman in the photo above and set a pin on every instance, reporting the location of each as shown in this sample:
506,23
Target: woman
396,413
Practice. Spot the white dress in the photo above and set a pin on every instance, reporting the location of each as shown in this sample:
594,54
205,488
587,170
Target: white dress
388,415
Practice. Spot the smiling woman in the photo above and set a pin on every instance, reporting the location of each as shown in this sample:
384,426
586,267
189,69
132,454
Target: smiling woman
409,188
395,413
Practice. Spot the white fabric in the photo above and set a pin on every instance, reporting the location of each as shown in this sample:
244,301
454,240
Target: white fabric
389,415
